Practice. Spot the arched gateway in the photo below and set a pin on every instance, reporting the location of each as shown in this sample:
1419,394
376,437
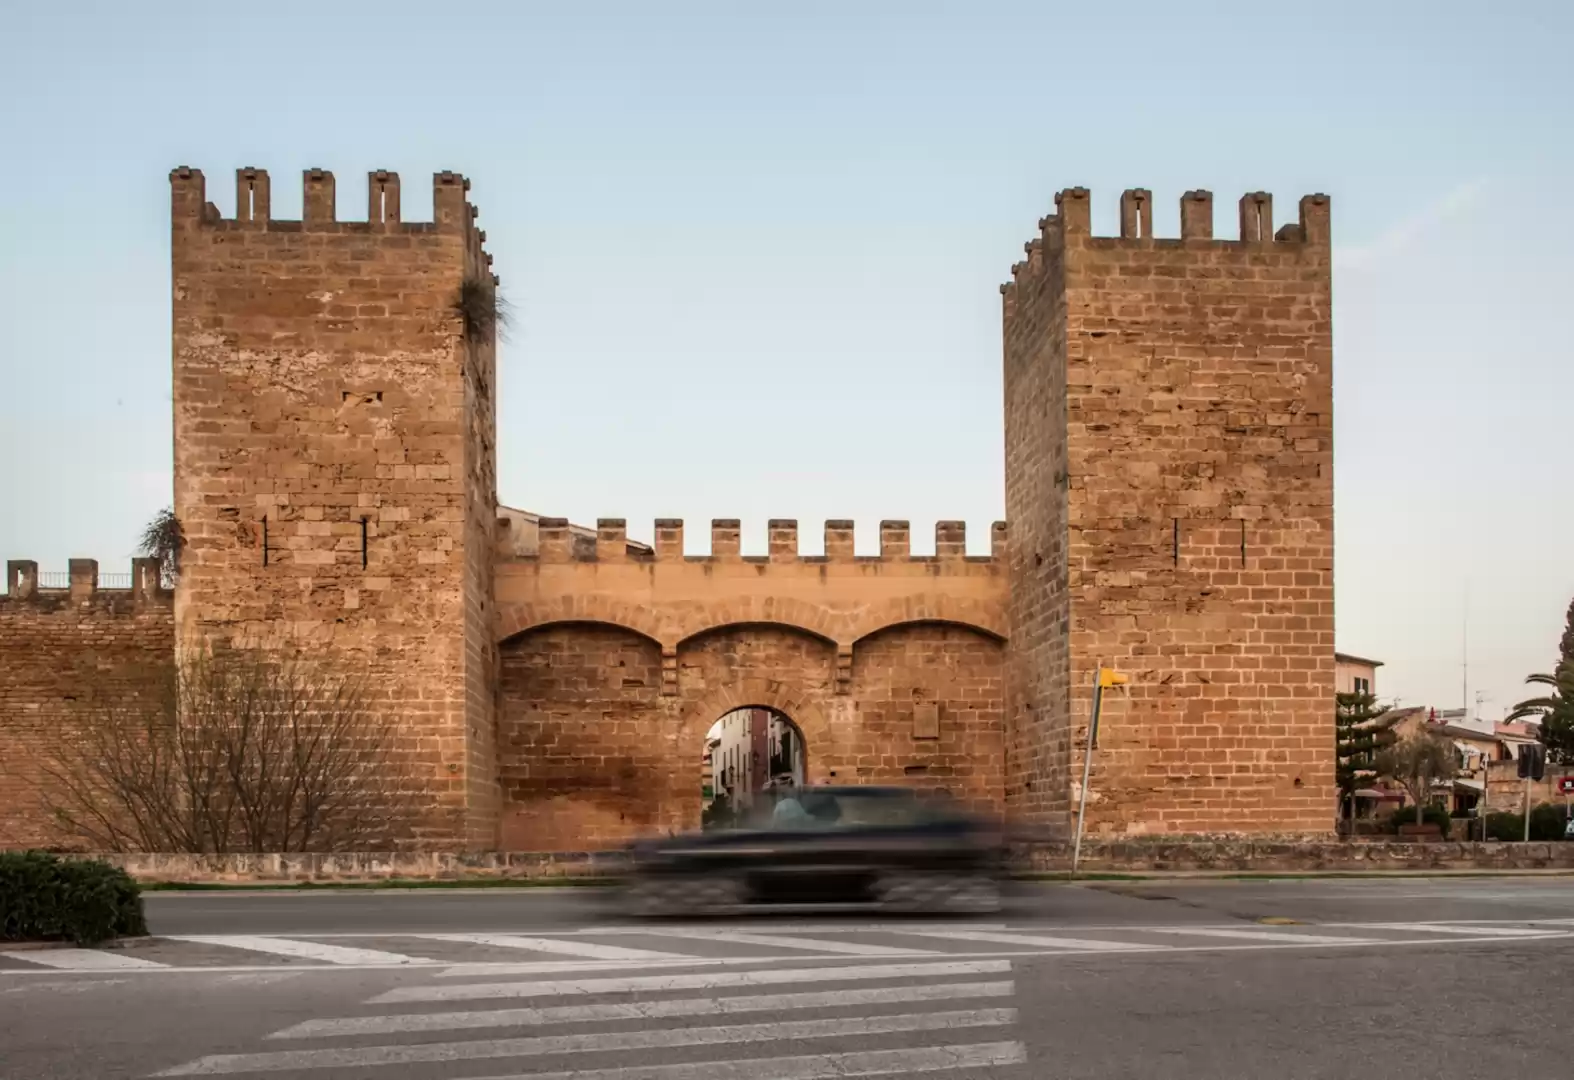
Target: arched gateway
618,661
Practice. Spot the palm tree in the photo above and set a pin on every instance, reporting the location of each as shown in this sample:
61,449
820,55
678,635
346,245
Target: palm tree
1554,709
1538,706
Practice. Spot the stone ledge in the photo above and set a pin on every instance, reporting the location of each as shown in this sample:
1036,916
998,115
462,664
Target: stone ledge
1133,856
1259,856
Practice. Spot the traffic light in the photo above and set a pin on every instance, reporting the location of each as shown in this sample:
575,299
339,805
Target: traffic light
1533,762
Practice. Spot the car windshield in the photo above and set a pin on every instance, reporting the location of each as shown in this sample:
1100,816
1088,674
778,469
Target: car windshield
811,809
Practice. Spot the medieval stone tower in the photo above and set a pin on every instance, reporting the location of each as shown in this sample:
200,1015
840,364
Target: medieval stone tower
335,471
1169,488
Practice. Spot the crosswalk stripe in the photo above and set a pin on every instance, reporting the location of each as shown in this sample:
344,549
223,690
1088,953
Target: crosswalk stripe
300,950
564,946
546,967
702,980
1038,940
1282,936
809,1066
1437,928
79,959
640,1010
424,1053
735,937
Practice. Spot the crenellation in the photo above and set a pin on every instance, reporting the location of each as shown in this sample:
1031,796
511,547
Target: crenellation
1196,215
896,541
84,578
782,539
84,584
612,540
669,539
1136,214
253,196
726,538
1256,217
21,578
319,204
382,197
950,539
839,539
1196,223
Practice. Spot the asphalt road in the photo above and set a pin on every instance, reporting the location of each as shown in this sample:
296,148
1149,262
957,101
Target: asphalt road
1339,979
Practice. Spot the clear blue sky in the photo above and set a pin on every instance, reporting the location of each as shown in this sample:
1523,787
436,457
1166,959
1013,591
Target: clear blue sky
754,251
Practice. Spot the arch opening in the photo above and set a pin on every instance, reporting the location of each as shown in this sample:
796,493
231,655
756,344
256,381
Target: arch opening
751,753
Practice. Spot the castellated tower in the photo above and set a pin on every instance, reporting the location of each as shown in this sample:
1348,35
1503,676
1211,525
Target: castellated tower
335,467
1169,484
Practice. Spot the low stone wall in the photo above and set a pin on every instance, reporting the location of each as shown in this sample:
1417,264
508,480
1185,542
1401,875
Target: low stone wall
1247,856
363,867
1152,857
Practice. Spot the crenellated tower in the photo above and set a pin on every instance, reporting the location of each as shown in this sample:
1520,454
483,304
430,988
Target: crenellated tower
1169,484
335,468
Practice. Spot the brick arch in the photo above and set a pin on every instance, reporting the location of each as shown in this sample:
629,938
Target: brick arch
809,718
515,619
812,619
986,619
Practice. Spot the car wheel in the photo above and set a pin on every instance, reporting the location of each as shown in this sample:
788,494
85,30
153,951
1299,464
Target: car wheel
910,893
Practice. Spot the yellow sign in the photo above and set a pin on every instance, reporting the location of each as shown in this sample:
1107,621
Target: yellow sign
1109,678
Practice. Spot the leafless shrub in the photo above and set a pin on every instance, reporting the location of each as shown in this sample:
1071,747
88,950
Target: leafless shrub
482,310
232,752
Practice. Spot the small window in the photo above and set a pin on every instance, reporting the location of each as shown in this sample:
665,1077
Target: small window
1363,686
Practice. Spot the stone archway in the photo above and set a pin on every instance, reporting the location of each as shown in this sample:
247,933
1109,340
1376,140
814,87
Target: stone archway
749,753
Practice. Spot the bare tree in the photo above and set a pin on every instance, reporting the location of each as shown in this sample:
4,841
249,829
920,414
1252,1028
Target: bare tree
1416,762
235,751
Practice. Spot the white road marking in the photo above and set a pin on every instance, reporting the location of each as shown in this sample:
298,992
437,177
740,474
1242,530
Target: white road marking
812,929
548,967
808,1067
1040,941
640,1010
735,937
80,959
301,950
702,980
1261,935
601,1041
1442,928
564,946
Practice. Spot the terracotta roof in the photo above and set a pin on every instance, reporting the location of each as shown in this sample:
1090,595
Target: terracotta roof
1351,658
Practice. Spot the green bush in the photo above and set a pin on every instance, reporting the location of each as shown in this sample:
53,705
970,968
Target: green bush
1432,815
46,898
1505,826
1547,822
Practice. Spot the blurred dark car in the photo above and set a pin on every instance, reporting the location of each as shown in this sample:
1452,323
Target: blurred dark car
887,847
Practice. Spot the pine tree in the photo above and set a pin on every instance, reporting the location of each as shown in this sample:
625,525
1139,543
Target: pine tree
1359,738
1555,709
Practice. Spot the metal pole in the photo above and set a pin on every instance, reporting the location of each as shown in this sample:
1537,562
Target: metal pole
1087,764
1527,810
1486,788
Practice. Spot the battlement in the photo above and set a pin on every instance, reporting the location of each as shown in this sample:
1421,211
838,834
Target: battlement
1072,223
82,583
452,211
558,543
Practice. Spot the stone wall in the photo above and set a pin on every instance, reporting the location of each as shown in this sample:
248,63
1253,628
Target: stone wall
1198,491
1038,662
63,649
614,667
1098,857
334,462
